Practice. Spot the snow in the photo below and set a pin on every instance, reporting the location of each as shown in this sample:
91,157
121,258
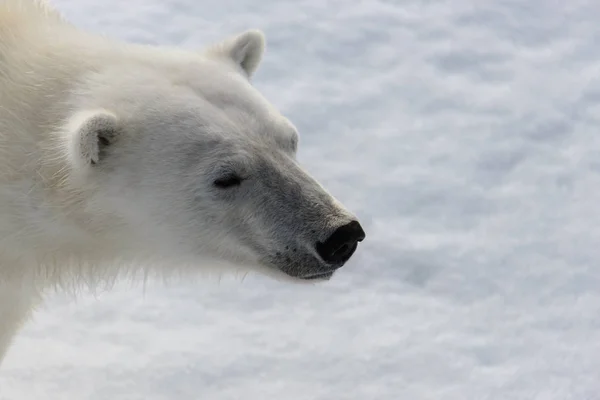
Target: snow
463,134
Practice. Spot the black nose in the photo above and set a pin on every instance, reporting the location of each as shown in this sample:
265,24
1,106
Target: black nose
340,246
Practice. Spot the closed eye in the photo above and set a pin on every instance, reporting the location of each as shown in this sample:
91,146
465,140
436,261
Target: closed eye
228,181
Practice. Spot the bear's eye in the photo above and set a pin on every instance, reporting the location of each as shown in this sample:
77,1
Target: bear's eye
228,181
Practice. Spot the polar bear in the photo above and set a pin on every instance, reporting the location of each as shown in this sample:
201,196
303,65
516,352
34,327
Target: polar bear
118,158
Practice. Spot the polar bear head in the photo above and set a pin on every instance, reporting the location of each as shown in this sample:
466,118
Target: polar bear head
179,158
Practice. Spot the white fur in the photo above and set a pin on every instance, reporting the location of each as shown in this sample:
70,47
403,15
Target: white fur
108,151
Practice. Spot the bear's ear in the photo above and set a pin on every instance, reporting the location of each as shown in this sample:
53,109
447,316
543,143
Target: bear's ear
89,134
245,50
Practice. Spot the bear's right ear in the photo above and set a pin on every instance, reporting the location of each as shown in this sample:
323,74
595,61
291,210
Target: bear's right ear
89,134
245,49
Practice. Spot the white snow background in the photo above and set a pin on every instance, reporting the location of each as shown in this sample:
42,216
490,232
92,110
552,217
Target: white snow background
464,134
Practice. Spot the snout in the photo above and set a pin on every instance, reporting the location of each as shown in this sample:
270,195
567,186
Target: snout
331,254
321,262
337,249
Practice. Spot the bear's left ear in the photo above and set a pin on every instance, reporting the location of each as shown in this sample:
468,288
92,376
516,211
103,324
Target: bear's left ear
90,133
245,50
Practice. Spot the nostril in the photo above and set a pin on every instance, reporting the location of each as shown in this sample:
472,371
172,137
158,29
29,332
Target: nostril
340,246
342,250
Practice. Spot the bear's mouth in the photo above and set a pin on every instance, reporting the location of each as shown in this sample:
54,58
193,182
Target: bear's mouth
318,276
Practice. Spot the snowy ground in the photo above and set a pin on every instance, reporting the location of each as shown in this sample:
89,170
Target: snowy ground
465,136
